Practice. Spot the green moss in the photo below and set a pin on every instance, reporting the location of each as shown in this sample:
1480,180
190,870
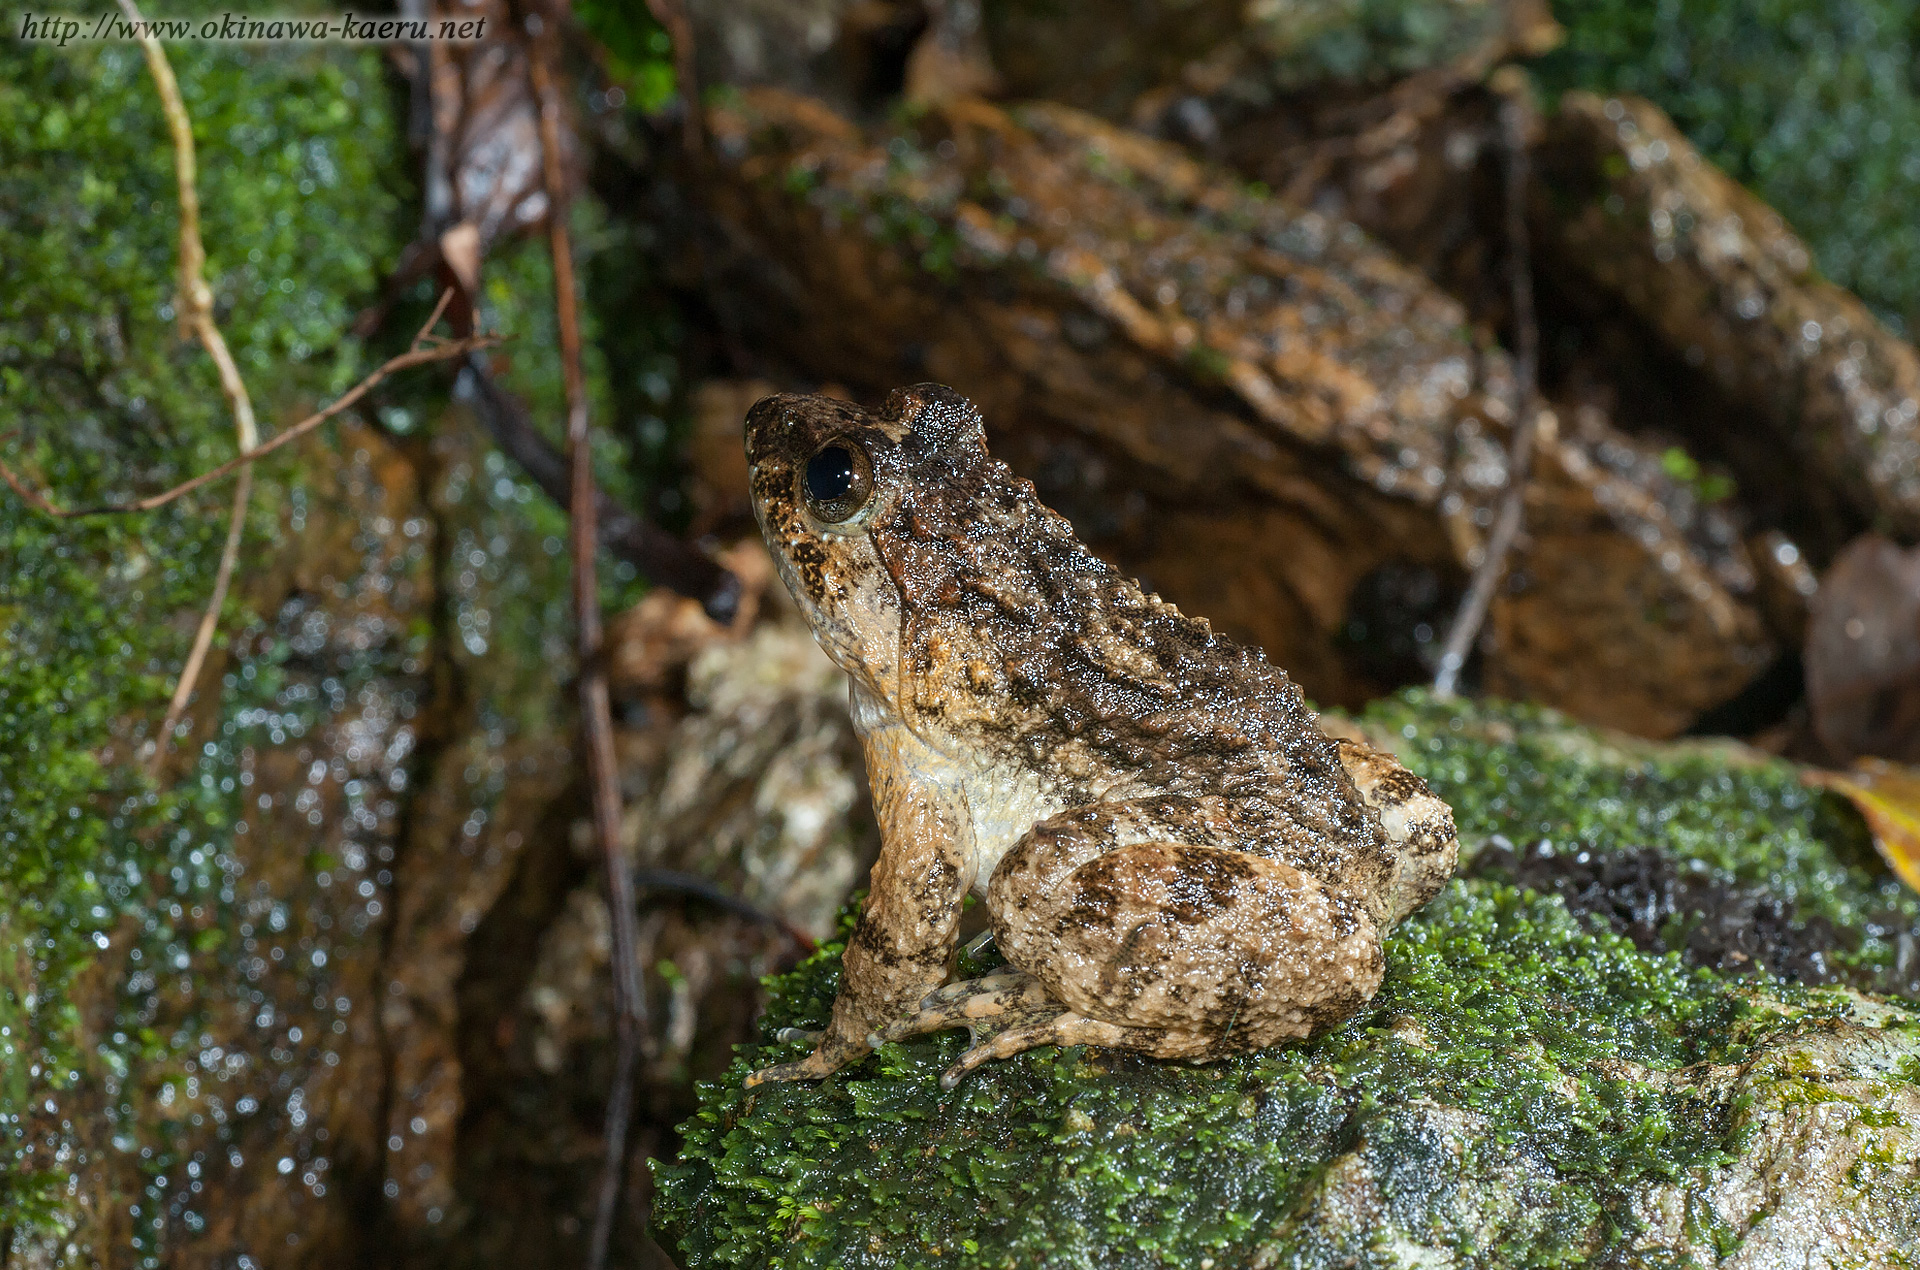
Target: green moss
1526,773
101,398
1492,1095
1815,107
638,52
1368,41
1498,1003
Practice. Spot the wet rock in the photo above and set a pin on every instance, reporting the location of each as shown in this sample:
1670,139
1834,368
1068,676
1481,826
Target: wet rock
1827,1127
271,1126
1829,1124
1629,209
1250,406
311,1101
1529,1085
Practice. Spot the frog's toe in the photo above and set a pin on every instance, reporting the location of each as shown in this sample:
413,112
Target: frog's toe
1060,1027
976,1004
1064,1027
806,1069
828,1057
789,1034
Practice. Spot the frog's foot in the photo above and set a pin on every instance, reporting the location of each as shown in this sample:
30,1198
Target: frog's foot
788,1034
1010,1012
1060,1026
984,1006
1419,827
829,1056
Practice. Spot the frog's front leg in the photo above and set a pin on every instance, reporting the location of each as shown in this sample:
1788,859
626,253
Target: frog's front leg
904,942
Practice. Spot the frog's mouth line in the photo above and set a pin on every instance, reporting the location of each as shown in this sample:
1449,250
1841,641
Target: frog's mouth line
837,637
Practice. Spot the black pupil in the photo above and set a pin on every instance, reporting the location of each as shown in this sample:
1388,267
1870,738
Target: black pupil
830,474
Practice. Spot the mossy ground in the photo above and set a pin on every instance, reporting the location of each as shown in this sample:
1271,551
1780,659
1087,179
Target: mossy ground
1527,774
1498,1004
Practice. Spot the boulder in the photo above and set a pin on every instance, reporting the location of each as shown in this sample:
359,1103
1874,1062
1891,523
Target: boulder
1252,407
1531,1086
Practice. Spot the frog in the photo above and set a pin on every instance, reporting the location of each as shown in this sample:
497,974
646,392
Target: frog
1174,858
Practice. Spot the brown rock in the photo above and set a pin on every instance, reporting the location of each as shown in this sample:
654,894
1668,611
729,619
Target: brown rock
1251,406
1199,67
1828,397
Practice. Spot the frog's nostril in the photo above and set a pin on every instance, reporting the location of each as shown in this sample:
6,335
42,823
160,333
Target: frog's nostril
830,474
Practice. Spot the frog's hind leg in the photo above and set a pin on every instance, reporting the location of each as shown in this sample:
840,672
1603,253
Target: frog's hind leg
1145,915
830,1055
978,1005
985,1007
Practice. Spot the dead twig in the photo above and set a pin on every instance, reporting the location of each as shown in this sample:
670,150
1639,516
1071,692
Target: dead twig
196,316
425,349
661,557
596,715
1515,112
672,880
672,17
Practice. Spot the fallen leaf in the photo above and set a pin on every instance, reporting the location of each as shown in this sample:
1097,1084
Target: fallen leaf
1887,796
1863,652
460,248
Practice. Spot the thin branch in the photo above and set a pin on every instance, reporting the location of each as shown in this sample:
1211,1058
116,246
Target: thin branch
1514,119
658,555
209,623
196,315
699,888
672,17
426,349
596,715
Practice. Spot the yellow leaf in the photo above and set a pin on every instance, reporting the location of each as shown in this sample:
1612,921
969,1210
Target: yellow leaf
1887,795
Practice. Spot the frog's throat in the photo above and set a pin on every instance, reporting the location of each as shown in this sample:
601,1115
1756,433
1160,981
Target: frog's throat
874,709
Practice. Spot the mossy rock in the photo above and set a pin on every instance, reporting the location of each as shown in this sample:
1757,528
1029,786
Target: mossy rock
1529,1088
1815,107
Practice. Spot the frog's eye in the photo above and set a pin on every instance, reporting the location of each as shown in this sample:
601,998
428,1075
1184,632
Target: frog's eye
838,481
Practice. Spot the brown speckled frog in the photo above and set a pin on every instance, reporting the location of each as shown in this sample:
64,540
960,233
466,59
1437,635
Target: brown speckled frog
1174,858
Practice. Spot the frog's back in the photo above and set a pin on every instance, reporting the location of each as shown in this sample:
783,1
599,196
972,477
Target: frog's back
1020,642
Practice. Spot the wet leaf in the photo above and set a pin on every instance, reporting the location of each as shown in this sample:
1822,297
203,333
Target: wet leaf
1887,796
478,122
1863,652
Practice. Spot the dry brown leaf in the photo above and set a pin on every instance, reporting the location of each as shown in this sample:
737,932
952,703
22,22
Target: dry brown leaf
1887,796
484,164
